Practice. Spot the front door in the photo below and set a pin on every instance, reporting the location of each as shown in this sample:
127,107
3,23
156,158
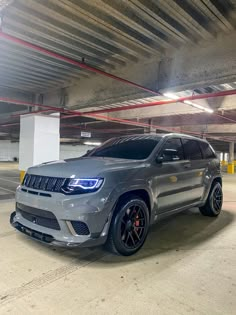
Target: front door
171,179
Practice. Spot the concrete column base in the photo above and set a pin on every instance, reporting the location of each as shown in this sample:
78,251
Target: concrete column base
22,175
230,168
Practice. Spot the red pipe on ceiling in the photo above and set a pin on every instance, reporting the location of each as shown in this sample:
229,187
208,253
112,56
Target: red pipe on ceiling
82,65
93,69
135,106
164,102
101,117
150,104
125,121
96,116
130,122
168,101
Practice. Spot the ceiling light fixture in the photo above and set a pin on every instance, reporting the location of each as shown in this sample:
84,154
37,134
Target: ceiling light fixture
92,143
175,97
208,110
171,96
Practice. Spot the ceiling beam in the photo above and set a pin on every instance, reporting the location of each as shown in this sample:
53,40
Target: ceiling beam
213,128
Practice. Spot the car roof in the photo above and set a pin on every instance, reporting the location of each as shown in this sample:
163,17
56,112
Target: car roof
160,135
182,135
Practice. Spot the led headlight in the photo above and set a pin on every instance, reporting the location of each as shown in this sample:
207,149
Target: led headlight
82,185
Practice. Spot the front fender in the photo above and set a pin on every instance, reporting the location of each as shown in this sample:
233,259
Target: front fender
120,190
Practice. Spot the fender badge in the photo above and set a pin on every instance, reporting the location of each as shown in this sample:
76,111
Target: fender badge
173,179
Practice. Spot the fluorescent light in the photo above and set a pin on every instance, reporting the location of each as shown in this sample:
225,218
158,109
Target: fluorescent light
174,97
92,143
188,102
209,110
171,96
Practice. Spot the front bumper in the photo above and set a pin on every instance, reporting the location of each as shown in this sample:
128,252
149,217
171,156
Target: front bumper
94,210
49,239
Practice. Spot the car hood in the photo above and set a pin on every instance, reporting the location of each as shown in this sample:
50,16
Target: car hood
83,167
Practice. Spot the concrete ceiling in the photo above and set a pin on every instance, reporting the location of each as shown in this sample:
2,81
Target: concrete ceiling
181,46
107,34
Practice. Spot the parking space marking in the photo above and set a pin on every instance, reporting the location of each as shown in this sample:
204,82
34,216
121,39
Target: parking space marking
8,180
12,191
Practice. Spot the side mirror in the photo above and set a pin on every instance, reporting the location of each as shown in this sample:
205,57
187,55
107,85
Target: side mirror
169,155
159,159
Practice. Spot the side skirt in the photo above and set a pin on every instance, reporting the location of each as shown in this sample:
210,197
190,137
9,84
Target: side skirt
169,213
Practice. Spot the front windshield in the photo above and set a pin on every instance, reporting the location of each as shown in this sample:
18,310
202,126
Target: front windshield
132,148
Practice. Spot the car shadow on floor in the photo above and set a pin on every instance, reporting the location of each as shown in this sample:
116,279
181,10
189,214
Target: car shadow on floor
183,232
178,233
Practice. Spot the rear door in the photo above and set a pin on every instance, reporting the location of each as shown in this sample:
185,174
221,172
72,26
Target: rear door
198,164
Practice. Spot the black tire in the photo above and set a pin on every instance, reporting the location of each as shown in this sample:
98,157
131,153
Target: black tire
12,216
129,226
213,205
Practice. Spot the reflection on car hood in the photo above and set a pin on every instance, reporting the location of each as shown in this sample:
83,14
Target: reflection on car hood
82,167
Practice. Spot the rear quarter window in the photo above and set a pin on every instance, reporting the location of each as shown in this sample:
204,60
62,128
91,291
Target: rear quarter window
208,152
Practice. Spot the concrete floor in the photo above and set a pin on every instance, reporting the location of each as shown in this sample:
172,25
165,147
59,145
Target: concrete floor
187,266
9,180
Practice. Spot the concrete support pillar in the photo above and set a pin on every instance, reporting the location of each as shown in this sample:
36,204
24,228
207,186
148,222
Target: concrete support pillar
225,159
39,140
150,129
231,158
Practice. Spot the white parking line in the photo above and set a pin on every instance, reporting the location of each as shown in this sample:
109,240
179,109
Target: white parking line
12,191
8,180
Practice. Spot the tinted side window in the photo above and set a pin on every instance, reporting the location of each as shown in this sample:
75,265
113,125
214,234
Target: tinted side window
207,151
172,151
192,149
134,148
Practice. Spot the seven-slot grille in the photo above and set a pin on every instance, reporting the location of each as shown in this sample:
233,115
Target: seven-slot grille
44,182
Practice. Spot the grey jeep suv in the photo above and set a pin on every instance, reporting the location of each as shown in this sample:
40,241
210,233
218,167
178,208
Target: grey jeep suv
115,192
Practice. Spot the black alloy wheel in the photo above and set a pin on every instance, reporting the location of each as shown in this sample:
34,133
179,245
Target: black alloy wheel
217,198
213,205
129,226
133,226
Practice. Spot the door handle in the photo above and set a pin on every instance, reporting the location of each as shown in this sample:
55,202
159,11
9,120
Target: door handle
187,165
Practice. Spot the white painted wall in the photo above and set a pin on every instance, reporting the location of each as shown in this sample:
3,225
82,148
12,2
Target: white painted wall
9,150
